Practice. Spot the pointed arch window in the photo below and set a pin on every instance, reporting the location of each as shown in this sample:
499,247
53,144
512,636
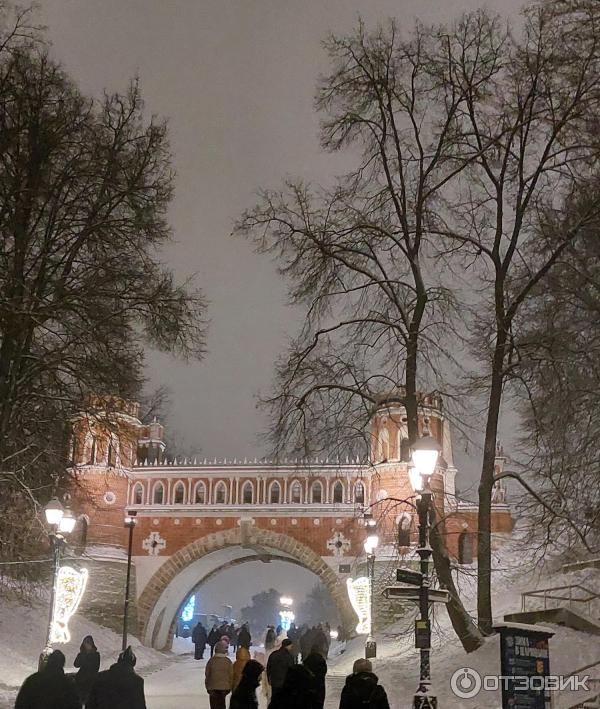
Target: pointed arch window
404,450
275,493
247,493
220,494
384,445
338,492
359,493
296,493
404,529
159,494
111,455
179,494
138,494
316,493
89,453
200,494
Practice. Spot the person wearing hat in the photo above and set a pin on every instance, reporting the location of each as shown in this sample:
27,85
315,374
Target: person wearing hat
49,688
218,677
278,664
88,662
362,689
119,687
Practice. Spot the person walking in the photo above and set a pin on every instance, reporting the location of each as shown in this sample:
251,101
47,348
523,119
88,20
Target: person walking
296,692
88,662
316,663
218,676
244,695
270,639
242,656
118,687
213,638
199,638
279,663
49,688
362,689
244,639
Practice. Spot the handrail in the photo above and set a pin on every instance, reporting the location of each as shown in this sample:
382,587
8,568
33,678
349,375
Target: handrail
546,593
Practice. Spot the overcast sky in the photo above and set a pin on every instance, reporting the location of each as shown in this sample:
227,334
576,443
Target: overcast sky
236,80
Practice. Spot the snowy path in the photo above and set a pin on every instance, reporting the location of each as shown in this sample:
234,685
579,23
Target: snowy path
181,685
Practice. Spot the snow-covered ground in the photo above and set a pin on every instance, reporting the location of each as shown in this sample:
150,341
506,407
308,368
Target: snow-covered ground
176,680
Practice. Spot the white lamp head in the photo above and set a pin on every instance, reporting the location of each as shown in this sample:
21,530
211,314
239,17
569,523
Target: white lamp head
67,522
371,543
414,476
54,512
425,452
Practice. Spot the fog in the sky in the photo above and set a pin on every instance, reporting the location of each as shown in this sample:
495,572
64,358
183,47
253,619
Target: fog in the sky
236,80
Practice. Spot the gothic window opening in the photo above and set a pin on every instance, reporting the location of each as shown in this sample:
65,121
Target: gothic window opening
465,548
138,494
90,449
179,494
338,493
200,494
159,494
220,494
404,450
112,452
247,494
359,493
404,530
296,493
384,445
275,493
316,493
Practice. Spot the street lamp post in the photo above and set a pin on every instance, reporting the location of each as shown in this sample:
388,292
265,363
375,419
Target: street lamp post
370,544
60,521
130,523
425,452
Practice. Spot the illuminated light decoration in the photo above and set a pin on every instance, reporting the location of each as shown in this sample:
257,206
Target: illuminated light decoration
287,618
70,586
188,611
359,592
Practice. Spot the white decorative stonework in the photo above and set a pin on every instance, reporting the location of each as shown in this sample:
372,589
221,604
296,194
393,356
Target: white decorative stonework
155,522
273,522
198,520
176,521
294,522
382,495
338,521
338,544
154,544
109,498
316,522
219,522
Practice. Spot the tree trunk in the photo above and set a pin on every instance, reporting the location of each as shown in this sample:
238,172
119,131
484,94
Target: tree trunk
486,484
464,627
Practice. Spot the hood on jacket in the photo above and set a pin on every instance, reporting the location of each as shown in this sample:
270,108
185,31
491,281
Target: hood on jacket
362,684
242,654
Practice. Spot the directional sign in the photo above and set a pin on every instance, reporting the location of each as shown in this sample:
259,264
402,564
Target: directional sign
412,594
414,578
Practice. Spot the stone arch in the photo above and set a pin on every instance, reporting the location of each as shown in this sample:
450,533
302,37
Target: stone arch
173,581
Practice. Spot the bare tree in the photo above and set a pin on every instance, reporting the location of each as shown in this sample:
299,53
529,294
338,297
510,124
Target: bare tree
84,189
360,255
529,122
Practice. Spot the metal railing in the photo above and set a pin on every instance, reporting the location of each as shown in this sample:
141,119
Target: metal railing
575,593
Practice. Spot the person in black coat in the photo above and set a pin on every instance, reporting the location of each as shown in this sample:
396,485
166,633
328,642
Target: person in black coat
49,688
244,639
199,638
317,664
88,662
244,695
119,687
279,664
296,692
362,689
213,639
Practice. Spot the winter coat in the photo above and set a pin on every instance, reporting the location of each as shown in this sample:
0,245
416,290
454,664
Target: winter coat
278,664
244,695
362,691
296,692
218,673
119,687
243,638
48,689
316,663
241,658
199,636
89,665
213,637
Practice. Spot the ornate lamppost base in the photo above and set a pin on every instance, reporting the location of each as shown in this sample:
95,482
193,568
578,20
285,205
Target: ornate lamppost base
424,701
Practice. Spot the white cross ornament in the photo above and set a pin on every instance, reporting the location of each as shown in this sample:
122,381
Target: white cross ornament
154,544
338,544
